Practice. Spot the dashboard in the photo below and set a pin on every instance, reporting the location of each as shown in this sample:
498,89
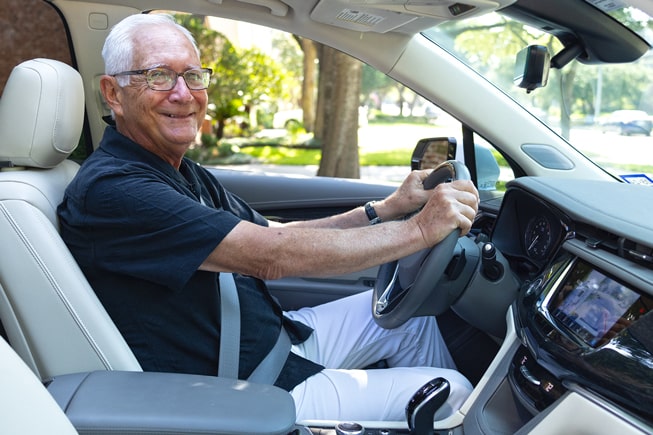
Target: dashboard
583,254
529,231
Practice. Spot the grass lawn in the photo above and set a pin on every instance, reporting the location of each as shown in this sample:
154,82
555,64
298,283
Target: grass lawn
387,143
302,156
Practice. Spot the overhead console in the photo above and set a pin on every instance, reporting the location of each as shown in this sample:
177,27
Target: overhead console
385,15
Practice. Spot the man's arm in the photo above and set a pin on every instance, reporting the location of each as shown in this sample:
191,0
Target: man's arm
295,250
409,197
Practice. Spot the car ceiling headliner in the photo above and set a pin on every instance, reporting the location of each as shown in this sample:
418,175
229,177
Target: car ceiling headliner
574,22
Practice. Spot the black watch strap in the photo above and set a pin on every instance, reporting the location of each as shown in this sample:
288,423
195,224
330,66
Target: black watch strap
371,213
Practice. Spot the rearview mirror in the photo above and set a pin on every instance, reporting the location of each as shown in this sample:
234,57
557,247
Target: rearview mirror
532,67
429,153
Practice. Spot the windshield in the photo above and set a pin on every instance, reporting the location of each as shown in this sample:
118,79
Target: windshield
604,111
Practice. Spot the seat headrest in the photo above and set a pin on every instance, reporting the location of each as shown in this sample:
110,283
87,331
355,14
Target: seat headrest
41,113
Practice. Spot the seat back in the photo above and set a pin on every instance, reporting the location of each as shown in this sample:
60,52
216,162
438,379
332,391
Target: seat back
52,317
26,406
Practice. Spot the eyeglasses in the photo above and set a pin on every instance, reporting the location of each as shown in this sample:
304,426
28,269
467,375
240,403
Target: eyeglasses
164,79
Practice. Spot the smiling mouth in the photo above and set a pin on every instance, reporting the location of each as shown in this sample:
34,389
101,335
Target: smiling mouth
170,115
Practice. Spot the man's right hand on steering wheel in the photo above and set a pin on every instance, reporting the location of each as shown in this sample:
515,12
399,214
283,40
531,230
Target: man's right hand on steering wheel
450,206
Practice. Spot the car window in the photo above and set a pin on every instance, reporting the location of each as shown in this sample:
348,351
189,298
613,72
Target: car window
263,120
605,111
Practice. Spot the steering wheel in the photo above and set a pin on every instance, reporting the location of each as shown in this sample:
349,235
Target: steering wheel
402,286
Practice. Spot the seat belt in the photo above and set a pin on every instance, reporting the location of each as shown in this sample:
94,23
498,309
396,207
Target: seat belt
269,368
229,327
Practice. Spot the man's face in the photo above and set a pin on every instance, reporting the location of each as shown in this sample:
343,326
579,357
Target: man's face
164,122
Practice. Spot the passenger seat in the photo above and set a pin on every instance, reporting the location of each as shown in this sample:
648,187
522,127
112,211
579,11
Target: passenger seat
52,317
26,407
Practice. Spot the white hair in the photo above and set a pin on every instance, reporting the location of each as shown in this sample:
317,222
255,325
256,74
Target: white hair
118,50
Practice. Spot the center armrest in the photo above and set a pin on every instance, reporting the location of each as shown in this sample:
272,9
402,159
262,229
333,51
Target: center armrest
149,402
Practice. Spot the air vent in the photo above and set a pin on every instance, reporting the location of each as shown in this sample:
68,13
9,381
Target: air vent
597,238
637,252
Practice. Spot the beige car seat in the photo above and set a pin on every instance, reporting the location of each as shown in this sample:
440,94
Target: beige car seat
52,317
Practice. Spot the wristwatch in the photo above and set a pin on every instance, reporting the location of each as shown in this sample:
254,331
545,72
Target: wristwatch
371,214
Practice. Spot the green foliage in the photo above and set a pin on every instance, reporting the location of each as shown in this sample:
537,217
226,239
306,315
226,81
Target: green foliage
491,45
397,157
374,83
208,41
310,156
241,78
284,155
288,51
376,117
214,151
295,128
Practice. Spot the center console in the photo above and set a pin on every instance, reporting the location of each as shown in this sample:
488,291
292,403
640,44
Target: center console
148,402
577,357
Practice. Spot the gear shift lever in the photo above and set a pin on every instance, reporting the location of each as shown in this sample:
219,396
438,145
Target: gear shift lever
425,402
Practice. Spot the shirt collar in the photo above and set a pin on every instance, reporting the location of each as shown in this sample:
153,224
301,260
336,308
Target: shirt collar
121,147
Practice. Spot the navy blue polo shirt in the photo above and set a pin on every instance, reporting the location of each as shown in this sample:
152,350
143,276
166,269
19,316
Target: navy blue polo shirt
139,232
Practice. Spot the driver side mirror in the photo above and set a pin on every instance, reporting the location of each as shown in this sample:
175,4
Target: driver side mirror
429,153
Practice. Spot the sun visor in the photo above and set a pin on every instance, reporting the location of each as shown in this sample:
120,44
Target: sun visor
385,15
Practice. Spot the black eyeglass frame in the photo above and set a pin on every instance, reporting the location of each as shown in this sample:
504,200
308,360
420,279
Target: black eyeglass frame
144,72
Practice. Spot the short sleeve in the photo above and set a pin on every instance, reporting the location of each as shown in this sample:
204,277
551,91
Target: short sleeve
148,229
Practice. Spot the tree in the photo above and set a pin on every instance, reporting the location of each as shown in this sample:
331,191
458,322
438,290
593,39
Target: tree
374,86
309,96
287,51
567,92
241,77
338,101
491,56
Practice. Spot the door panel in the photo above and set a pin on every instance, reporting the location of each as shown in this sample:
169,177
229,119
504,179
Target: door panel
294,293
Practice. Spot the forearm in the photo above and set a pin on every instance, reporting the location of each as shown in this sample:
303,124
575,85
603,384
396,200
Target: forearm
296,251
409,197
350,219
343,243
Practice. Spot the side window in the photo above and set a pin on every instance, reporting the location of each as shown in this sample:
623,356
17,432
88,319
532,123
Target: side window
492,169
30,29
266,107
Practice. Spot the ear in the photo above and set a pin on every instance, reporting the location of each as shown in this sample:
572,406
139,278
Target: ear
112,93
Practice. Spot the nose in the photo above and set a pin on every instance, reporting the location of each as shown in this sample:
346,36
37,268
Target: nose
181,90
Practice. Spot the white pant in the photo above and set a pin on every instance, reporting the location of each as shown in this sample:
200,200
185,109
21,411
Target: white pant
345,339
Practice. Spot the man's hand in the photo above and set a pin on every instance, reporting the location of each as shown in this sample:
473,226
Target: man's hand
450,206
409,197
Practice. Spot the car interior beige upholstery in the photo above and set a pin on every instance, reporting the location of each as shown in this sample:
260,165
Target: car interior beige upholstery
21,387
51,315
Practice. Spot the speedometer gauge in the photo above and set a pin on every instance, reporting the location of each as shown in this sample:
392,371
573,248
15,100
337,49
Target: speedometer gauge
538,237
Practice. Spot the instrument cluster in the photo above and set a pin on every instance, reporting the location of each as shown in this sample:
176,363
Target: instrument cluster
529,232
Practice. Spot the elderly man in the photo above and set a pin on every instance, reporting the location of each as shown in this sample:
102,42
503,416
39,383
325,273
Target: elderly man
152,232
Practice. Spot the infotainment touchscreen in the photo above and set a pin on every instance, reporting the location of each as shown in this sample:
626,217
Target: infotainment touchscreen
595,307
